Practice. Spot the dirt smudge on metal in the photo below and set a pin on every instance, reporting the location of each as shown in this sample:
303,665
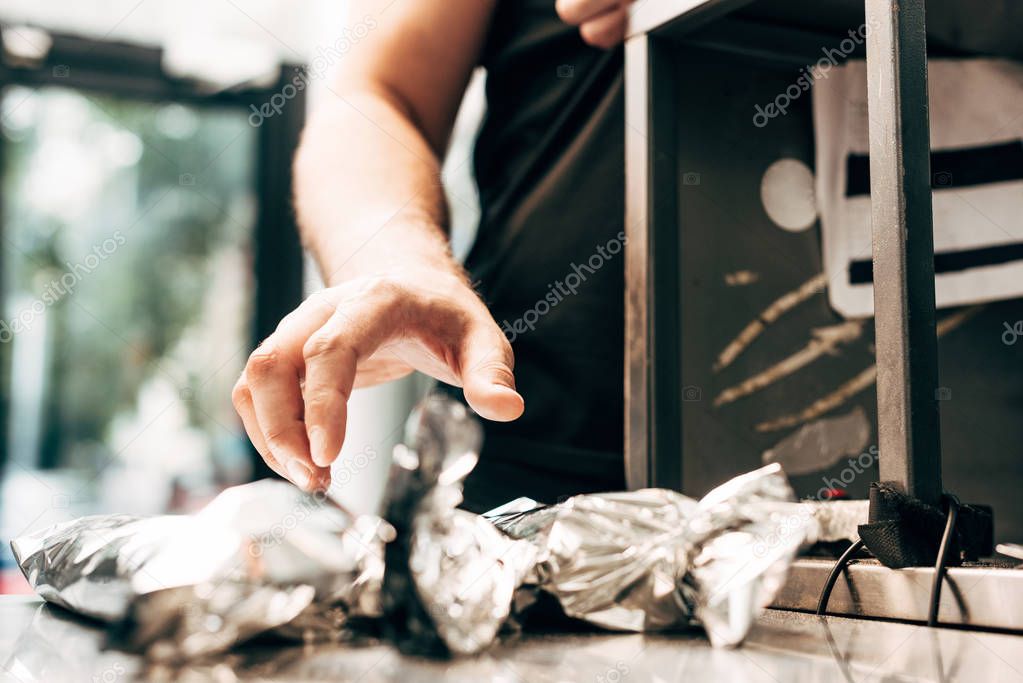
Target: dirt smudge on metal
821,443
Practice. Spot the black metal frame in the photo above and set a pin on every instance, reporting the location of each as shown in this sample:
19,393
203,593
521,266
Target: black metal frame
906,341
135,71
909,435
903,240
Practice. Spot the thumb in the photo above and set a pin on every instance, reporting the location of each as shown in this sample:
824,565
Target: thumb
486,363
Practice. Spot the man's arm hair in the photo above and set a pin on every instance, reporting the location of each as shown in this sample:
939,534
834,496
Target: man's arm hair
368,192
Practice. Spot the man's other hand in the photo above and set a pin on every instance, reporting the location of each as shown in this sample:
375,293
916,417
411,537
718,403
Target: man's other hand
602,23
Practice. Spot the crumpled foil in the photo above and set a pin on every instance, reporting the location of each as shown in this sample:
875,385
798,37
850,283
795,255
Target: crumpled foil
266,558
450,574
839,520
655,559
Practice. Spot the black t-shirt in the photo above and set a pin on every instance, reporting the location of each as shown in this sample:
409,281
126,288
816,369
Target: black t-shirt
548,259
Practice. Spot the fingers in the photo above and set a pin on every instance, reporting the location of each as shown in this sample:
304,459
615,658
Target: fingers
273,379
607,30
331,356
242,399
293,396
277,399
485,363
577,12
602,23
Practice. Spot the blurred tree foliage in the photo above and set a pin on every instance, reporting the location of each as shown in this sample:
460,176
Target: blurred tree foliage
134,199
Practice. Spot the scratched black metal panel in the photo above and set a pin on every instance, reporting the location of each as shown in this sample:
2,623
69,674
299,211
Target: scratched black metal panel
982,418
953,26
728,239
722,158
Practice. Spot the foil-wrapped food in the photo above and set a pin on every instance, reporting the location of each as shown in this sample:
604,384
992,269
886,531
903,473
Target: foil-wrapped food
267,559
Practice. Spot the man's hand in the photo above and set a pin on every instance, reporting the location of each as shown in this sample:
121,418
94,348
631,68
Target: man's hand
369,202
294,392
602,23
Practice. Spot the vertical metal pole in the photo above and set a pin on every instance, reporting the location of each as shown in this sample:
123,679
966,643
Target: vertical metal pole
903,243
638,181
653,395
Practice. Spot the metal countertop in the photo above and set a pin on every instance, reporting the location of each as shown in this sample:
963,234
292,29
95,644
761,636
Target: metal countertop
44,644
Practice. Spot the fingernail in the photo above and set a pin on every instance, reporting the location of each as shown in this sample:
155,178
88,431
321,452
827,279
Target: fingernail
299,473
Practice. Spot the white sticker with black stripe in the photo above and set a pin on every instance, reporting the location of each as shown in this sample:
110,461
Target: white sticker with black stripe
976,112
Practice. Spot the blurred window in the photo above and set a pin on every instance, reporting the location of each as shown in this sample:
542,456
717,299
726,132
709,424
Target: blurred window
146,242
127,287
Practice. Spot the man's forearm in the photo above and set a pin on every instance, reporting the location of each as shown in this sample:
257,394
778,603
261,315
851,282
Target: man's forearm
368,192
369,202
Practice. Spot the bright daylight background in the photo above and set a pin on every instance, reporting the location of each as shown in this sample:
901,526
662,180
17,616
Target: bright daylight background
117,394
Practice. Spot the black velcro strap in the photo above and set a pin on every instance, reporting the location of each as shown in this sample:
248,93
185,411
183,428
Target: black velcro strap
906,532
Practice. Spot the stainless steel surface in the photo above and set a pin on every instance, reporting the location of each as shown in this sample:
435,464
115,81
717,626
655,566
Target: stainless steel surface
982,597
903,246
41,644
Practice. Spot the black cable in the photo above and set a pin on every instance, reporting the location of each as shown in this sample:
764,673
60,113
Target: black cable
822,604
939,567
